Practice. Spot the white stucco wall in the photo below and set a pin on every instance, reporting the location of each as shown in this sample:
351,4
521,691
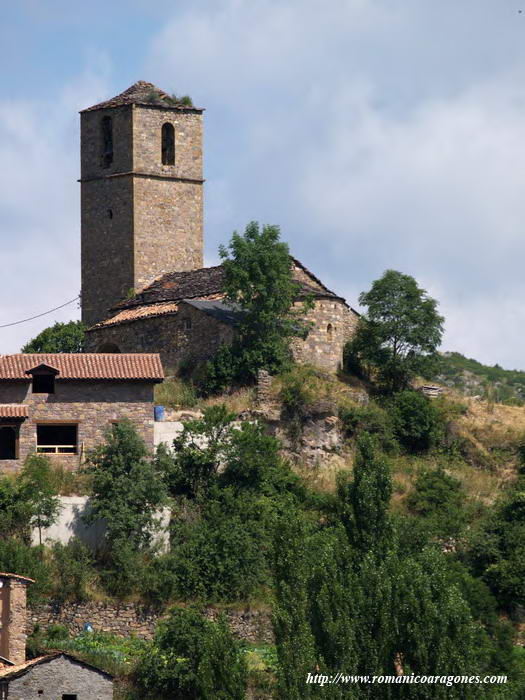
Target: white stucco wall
70,524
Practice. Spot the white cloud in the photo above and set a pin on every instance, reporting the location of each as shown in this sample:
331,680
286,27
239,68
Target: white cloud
379,134
39,206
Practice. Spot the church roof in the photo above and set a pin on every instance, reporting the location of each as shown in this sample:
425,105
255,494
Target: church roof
230,314
207,282
164,294
144,93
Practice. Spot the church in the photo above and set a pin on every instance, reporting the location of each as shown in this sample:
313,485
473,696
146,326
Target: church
144,287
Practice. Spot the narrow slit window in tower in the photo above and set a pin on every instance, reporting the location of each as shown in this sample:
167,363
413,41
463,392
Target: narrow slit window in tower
330,332
168,144
107,141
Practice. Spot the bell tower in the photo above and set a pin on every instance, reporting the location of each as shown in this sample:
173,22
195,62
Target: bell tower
141,194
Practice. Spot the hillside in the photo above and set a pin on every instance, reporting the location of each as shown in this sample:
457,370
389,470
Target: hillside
472,378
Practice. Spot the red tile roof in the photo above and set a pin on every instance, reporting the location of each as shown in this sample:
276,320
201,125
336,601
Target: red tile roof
13,411
145,366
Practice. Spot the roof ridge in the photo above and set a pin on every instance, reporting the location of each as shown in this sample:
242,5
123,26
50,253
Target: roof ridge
145,93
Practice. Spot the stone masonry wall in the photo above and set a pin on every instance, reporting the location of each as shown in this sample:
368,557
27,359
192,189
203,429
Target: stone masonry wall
140,218
168,204
58,677
130,619
167,335
13,620
107,250
168,227
90,404
332,327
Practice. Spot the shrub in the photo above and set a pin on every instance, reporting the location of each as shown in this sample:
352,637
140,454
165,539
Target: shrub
73,570
15,509
439,500
496,551
193,658
17,557
415,421
296,395
372,419
222,555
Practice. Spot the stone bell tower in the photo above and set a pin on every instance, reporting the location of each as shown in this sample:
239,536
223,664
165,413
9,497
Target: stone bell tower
141,194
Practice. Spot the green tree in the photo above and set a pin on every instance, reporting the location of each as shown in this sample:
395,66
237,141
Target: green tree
198,452
37,485
259,282
415,420
365,500
400,331
496,550
61,337
357,596
126,488
15,509
438,499
296,652
192,658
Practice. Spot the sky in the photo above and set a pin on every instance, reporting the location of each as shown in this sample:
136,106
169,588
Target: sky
378,134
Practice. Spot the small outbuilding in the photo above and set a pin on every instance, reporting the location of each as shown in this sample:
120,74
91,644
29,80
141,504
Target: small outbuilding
56,676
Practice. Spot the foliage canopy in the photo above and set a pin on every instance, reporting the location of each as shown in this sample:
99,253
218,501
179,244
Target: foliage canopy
61,337
400,331
259,283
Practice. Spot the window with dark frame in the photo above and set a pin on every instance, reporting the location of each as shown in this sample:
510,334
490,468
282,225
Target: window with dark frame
43,383
68,696
168,144
9,435
58,439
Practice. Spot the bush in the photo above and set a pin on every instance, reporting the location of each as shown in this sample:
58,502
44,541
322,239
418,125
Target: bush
296,395
192,658
372,419
73,570
415,421
439,500
496,551
17,557
222,555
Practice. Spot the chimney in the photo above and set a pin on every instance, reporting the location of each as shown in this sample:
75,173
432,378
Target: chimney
13,617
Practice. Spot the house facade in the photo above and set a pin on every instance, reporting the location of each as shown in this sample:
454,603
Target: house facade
61,405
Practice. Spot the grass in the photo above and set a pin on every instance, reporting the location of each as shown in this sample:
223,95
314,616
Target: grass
179,394
176,393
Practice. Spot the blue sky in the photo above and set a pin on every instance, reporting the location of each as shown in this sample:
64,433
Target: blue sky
378,134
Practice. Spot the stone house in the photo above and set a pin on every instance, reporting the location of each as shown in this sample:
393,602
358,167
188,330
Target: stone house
54,676
61,405
143,285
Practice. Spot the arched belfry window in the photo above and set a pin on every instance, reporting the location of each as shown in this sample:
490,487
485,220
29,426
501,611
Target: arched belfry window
168,144
107,141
